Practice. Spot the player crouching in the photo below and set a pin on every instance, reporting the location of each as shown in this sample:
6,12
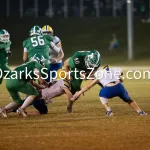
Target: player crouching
110,79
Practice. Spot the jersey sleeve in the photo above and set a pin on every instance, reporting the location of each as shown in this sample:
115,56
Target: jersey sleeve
48,39
54,47
56,40
74,61
72,64
118,71
25,44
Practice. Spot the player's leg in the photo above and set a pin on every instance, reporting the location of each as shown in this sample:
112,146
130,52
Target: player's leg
28,89
40,106
126,98
75,86
105,94
105,103
17,102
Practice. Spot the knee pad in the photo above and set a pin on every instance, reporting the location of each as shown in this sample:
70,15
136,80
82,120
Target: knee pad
103,100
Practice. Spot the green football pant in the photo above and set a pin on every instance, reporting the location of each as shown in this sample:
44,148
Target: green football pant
14,86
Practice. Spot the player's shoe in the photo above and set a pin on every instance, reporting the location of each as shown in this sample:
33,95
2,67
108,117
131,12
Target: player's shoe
69,107
109,113
142,113
21,112
3,112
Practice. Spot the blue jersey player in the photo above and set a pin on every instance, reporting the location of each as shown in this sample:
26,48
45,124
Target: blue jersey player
110,80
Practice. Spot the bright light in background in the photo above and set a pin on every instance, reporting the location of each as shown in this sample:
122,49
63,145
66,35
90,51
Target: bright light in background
128,1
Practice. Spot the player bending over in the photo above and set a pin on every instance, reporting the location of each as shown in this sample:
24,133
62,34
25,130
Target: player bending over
110,79
58,88
24,84
81,61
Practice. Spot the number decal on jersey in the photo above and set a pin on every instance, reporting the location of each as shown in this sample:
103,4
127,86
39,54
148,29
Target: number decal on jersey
76,60
37,41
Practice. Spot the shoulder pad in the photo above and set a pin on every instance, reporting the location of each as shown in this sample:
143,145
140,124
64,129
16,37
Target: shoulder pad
48,37
56,39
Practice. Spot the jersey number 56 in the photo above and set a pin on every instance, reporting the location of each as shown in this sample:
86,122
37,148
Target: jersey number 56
37,41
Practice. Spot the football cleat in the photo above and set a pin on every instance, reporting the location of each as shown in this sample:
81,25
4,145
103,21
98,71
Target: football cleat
142,113
3,112
109,113
21,112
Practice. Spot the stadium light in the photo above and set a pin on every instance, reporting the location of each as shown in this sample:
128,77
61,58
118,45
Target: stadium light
130,28
21,8
36,8
50,8
66,8
7,8
81,8
114,8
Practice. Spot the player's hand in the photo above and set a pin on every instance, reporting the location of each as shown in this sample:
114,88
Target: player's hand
54,60
75,96
9,53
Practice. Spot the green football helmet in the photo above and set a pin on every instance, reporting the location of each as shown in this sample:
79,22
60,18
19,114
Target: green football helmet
4,36
35,30
93,60
38,58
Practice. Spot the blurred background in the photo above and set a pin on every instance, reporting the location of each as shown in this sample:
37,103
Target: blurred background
82,25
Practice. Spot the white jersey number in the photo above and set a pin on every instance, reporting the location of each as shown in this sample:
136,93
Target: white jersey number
37,41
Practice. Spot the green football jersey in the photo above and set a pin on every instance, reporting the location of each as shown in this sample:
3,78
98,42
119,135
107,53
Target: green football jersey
3,52
38,44
26,69
78,60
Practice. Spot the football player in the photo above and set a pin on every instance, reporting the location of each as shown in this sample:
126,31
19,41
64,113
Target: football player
22,80
4,52
55,56
38,43
110,80
81,61
58,88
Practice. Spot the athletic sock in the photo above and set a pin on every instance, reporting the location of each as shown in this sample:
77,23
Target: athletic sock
138,111
11,106
108,109
27,102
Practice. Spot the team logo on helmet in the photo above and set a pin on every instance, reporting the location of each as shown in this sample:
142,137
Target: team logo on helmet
36,30
4,36
93,60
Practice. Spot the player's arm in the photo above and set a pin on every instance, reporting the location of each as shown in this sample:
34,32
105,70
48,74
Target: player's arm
86,88
40,79
67,92
25,54
60,55
66,65
56,49
36,85
8,51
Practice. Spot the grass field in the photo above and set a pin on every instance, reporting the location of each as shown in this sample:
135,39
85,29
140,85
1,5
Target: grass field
86,128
